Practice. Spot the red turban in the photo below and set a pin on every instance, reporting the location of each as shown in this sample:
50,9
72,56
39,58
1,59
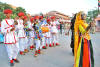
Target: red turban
36,17
21,14
32,19
7,11
53,17
48,20
41,17
25,17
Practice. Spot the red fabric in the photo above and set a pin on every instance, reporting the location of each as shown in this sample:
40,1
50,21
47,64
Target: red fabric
21,52
53,17
43,47
14,37
7,11
39,51
9,43
32,46
21,14
41,17
46,45
7,31
36,17
32,19
48,20
50,45
38,36
11,61
53,44
85,54
9,24
36,53
0,24
57,43
25,17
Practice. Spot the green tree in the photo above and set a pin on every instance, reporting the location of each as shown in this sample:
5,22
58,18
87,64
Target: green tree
92,15
2,16
4,6
19,9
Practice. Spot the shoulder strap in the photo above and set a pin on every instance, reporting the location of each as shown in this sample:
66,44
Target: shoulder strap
9,24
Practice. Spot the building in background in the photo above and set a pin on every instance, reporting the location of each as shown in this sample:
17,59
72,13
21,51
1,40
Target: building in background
62,18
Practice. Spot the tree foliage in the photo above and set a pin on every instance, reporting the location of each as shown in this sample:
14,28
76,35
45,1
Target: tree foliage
19,9
4,6
92,15
2,16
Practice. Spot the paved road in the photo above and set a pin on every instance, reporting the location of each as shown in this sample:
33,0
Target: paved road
59,56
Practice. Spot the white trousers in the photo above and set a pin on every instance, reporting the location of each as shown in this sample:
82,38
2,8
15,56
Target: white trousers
43,42
31,41
12,50
26,43
54,38
48,40
22,44
37,42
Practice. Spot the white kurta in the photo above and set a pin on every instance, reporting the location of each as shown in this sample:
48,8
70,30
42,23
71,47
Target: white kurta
9,36
20,26
54,27
21,35
54,30
43,41
37,41
31,34
48,35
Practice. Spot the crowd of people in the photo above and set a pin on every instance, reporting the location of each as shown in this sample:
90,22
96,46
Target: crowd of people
25,33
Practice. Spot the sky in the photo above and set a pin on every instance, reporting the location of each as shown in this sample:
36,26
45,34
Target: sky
67,7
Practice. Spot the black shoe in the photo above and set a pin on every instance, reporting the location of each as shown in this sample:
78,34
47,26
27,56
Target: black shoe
11,64
17,61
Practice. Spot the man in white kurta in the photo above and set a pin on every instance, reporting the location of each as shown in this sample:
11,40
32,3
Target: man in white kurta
21,33
10,37
31,34
54,31
43,42
48,34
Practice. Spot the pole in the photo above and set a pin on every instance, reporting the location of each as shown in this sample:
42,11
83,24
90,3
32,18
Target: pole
98,6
